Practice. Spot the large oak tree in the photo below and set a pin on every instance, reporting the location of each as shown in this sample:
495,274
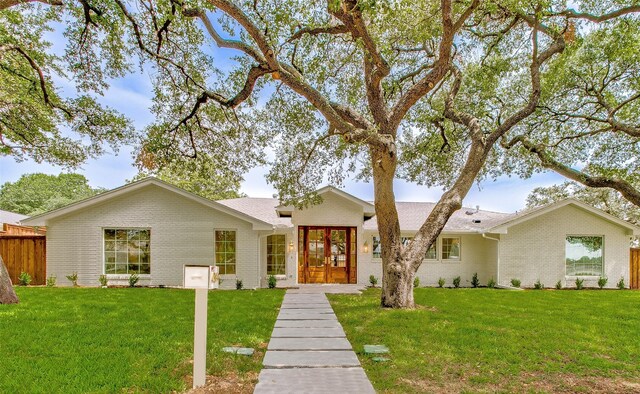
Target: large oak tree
437,92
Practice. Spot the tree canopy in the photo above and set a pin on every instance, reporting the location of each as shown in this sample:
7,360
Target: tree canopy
441,93
33,194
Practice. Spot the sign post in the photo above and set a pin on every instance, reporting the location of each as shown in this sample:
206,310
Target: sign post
199,277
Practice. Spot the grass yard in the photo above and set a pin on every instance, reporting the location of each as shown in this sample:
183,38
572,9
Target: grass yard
76,340
484,340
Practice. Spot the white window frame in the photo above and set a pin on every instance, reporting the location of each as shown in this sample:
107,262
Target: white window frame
379,259
285,254
215,262
567,276
450,260
104,254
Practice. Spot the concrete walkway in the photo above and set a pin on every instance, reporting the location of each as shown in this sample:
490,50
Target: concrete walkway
308,351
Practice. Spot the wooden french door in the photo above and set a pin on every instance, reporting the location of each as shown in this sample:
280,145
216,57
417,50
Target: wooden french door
327,254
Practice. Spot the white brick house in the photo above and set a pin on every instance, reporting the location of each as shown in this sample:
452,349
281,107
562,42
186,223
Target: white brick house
153,229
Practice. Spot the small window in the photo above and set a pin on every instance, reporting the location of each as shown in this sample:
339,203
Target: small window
450,248
276,254
225,248
431,254
584,255
127,251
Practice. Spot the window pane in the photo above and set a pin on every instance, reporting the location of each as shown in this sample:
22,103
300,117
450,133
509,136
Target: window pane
377,248
109,257
584,255
110,234
121,235
432,253
145,269
450,248
121,269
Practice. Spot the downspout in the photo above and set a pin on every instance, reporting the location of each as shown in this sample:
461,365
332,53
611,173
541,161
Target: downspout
484,235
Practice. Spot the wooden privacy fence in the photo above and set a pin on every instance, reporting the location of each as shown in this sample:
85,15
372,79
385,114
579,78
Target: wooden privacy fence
634,269
25,253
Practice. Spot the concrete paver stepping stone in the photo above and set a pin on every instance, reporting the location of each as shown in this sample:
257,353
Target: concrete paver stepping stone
307,316
291,311
305,380
308,323
375,349
243,351
305,332
310,359
309,344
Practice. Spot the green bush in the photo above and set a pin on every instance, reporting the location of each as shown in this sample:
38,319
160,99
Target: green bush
416,282
239,284
51,281
73,278
441,282
24,279
579,283
373,280
456,282
103,280
559,285
133,279
538,285
272,281
620,284
475,282
602,282
516,282
491,284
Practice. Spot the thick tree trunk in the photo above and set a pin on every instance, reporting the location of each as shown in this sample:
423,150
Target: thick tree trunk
397,275
7,294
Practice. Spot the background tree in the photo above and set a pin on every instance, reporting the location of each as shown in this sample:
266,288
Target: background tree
37,120
37,193
199,176
606,199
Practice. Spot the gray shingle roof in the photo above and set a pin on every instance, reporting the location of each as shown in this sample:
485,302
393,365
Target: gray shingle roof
411,214
11,217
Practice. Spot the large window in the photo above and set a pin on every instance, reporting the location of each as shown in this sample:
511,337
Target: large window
431,254
584,255
276,254
127,251
225,247
450,248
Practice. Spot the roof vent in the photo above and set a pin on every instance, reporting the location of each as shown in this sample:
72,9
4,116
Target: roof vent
477,221
472,212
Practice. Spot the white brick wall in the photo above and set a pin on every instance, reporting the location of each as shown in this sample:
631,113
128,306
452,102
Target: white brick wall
535,249
477,255
181,233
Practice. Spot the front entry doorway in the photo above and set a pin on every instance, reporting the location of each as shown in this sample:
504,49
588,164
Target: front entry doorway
327,254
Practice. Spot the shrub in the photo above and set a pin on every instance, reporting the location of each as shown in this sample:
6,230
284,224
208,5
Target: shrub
272,281
491,284
73,278
579,284
239,284
24,279
620,284
602,282
373,280
416,282
456,282
103,280
515,282
133,279
475,282
441,282
51,281
559,285
538,285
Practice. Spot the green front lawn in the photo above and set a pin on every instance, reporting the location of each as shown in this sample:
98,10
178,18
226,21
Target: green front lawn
485,340
114,340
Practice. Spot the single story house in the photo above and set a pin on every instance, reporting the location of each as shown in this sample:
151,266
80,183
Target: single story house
153,229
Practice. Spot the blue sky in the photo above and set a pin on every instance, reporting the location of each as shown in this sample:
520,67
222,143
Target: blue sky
132,97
